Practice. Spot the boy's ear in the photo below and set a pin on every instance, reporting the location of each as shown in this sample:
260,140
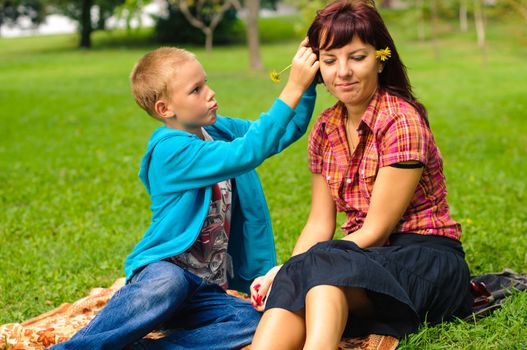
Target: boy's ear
162,109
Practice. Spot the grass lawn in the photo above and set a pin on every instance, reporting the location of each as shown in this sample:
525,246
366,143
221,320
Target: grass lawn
72,206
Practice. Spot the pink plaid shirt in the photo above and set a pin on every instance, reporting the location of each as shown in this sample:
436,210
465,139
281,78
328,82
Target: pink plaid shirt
391,131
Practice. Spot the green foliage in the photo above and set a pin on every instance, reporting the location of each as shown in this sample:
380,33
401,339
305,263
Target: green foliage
72,140
73,9
176,29
278,29
12,10
308,10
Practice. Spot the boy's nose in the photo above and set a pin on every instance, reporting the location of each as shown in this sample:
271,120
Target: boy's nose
212,94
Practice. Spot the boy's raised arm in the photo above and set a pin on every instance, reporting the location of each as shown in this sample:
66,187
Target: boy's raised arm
194,163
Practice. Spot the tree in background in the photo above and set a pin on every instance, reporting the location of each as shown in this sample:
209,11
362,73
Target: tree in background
206,14
12,11
519,6
253,33
128,11
173,28
81,11
463,15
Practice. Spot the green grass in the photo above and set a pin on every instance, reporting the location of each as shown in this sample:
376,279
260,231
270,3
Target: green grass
72,139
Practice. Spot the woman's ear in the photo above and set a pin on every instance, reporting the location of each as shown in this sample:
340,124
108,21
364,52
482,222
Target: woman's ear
381,68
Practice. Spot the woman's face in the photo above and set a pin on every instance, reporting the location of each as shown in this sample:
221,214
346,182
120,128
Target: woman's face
351,72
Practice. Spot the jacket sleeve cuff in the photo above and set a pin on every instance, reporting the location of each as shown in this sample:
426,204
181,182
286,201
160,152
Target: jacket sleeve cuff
280,111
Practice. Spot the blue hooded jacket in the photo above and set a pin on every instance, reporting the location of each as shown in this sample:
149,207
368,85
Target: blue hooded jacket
179,169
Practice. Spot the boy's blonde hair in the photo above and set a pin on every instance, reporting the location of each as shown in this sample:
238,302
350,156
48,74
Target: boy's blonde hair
150,76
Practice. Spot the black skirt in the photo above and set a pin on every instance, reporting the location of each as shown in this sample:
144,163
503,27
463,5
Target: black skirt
415,279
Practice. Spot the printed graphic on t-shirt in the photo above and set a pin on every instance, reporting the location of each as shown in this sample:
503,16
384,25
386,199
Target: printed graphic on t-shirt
208,258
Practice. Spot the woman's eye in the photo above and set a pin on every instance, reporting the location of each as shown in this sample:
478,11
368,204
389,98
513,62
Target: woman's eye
358,58
328,62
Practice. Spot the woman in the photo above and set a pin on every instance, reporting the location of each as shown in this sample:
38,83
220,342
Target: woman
373,157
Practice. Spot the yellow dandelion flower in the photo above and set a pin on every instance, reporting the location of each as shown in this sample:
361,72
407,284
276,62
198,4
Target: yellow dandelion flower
275,76
383,54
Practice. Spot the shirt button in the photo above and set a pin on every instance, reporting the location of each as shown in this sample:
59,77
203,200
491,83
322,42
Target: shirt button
348,180
328,177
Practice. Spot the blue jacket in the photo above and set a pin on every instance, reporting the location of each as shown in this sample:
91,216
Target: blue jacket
179,169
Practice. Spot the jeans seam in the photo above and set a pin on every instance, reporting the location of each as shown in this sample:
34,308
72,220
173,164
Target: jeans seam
190,296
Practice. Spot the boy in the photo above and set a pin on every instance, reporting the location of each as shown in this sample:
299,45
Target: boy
210,225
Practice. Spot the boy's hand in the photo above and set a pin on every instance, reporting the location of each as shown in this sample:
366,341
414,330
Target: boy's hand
303,70
261,287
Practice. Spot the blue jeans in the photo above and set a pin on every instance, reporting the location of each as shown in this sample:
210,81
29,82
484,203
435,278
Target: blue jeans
163,295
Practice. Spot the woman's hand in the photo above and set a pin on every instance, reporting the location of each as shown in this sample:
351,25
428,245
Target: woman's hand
261,287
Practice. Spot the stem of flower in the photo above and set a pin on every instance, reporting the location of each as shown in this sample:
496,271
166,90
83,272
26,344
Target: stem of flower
286,68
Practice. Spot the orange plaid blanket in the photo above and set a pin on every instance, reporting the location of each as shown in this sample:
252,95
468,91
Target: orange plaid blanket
60,324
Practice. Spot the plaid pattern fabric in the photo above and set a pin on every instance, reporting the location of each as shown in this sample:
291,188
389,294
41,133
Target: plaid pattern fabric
391,131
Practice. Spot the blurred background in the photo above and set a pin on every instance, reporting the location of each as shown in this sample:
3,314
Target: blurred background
71,136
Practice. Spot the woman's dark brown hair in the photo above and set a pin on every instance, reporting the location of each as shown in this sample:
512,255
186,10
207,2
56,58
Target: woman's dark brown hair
334,27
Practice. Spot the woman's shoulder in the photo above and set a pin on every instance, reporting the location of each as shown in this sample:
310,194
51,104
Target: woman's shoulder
396,110
327,116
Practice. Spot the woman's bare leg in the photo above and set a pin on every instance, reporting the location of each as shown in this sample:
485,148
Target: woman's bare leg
280,329
327,309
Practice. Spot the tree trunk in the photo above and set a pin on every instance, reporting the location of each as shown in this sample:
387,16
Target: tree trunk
387,4
208,39
85,24
435,27
463,21
479,20
2,10
253,35
421,25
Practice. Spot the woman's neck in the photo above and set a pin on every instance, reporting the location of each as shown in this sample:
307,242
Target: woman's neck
356,111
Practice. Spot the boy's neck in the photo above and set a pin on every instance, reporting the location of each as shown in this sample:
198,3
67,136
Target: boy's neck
173,124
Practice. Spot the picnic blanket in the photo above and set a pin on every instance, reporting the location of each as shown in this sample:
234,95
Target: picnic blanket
60,324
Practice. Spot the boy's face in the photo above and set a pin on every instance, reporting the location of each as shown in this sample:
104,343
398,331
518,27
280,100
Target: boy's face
190,99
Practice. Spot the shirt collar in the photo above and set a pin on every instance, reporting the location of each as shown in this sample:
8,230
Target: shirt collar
335,116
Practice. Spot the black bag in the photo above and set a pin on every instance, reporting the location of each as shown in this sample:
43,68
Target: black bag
490,290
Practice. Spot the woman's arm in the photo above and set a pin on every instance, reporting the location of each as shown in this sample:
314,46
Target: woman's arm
320,225
392,192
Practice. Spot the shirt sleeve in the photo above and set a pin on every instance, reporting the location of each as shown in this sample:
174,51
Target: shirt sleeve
407,139
315,154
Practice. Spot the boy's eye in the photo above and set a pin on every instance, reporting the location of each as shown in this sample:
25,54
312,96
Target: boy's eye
196,90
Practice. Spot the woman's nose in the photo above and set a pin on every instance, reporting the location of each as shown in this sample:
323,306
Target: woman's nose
343,69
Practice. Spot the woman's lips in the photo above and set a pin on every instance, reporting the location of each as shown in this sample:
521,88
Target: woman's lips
346,86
